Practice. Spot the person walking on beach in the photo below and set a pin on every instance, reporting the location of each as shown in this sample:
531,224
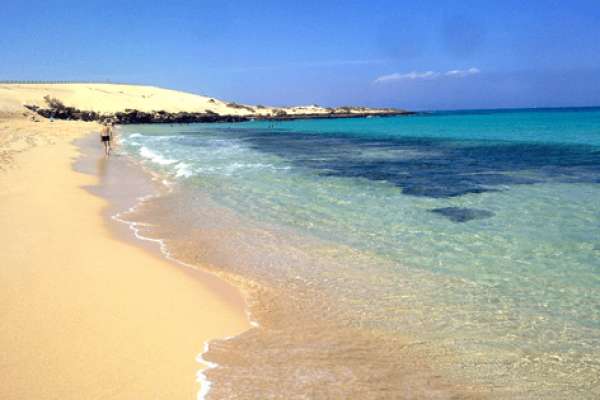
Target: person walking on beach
106,137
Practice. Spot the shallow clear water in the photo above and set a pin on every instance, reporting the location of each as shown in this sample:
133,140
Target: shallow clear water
429,255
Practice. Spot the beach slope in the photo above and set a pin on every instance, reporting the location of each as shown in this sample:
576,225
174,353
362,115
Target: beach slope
84,315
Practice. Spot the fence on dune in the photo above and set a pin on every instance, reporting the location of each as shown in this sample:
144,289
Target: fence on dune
36,82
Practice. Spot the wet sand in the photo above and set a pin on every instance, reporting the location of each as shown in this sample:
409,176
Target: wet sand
85,314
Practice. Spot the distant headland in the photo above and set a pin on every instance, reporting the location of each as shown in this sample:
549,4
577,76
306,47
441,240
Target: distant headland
135,104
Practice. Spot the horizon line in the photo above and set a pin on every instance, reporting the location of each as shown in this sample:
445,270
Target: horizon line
110,82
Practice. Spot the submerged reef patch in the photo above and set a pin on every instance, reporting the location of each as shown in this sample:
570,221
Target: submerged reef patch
458,214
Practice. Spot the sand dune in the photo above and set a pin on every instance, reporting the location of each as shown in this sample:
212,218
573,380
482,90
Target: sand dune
111,98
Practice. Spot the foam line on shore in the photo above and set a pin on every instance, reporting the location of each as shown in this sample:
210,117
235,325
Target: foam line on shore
201,378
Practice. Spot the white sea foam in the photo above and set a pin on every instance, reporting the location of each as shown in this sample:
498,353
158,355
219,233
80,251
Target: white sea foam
183,170
161,138
155,157
201,378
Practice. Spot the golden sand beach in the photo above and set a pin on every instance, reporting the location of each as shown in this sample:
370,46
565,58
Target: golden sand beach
83,314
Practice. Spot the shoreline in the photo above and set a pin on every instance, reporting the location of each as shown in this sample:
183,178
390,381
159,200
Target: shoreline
101,316
290,320
115,216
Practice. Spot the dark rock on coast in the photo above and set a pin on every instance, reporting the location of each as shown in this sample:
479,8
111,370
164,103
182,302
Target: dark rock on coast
57,110
163,117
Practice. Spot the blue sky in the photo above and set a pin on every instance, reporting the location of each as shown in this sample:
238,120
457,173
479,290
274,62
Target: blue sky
416,54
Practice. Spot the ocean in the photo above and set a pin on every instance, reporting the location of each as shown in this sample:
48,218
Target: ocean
440,255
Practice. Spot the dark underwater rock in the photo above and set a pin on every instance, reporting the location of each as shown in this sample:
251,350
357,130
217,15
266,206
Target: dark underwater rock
458,214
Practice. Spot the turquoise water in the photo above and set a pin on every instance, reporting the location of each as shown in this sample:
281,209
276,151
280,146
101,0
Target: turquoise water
475,234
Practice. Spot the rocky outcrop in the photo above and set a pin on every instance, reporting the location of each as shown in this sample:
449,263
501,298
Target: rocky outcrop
57,110
163,117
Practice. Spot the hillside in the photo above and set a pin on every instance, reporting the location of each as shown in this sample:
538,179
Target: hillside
134,103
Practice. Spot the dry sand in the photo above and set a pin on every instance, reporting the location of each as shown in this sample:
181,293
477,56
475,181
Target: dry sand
84,315
110,98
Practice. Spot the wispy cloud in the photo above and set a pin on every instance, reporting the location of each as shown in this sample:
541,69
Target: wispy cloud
427,75
460,73
408,76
